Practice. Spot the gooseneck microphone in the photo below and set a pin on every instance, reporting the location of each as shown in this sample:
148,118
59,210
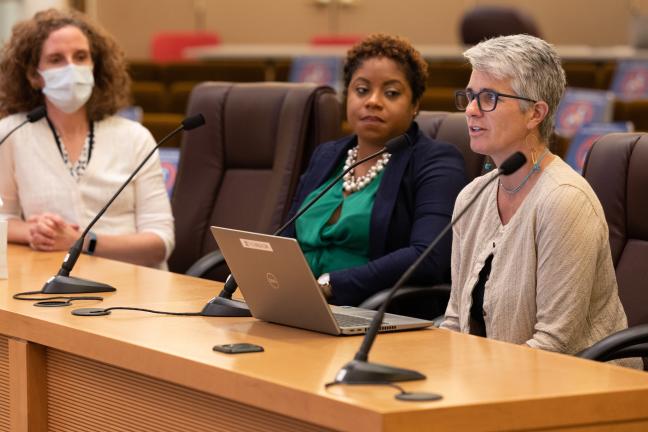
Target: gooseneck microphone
359,370
32,117
223,305
62,282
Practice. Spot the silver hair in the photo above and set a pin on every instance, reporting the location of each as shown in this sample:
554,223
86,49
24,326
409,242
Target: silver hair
531,64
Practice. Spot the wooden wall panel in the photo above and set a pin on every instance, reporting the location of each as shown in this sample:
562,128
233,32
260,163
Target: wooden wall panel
4,384
27,388
85,395
577,22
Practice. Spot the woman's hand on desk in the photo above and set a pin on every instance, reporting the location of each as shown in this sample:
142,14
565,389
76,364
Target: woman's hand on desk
49,232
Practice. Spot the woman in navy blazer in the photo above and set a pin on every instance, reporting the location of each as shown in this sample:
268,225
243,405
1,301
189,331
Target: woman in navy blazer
384,79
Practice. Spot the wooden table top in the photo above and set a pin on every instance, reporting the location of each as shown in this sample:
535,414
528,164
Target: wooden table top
485,384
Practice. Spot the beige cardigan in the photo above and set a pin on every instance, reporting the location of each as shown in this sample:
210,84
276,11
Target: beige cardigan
552,284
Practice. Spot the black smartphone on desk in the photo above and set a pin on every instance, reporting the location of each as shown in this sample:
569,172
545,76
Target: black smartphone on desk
238,348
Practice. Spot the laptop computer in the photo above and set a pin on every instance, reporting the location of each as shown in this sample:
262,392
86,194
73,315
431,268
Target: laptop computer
279,287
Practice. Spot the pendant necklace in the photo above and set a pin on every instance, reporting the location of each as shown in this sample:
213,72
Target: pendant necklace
535,168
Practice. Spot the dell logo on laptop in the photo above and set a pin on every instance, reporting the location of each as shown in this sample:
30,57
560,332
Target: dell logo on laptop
272,280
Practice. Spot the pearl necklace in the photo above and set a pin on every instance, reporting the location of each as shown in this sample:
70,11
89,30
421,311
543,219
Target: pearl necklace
351,183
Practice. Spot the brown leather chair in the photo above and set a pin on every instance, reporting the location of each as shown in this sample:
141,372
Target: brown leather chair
241,169
451,127
485,22
616,170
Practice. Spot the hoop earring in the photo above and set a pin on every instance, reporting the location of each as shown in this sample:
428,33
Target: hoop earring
534,159
526,143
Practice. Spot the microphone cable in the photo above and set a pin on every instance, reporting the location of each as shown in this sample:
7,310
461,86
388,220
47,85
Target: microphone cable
55,301
106,311
62,301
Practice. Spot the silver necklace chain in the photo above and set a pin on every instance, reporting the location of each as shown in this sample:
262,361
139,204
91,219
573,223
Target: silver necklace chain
534,168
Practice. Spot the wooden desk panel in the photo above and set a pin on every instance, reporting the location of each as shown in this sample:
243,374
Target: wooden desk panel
4,385
487,385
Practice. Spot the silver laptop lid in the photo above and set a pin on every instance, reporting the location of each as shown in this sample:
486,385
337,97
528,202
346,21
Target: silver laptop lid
275,279
279,287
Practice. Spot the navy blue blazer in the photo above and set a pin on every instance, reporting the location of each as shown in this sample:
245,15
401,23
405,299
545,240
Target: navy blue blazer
413,203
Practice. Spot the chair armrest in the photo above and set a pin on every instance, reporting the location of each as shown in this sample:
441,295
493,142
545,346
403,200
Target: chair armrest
618,344
205,264
638,350
406,292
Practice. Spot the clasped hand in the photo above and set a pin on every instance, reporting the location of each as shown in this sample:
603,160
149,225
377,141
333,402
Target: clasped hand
49,232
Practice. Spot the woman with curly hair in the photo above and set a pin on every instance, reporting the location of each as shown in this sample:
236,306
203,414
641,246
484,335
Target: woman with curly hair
56,173
363,234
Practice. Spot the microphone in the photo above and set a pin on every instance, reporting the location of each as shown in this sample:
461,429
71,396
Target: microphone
32,117
62,282
223,305
359,370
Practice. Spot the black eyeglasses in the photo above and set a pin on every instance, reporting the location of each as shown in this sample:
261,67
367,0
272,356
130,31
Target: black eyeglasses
486,99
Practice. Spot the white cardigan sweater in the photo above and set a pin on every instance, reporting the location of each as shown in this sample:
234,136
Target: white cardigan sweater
34,179
552,283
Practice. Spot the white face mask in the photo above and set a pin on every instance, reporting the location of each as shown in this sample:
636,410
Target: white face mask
68,87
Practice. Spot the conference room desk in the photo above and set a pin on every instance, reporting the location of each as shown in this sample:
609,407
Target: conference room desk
137,371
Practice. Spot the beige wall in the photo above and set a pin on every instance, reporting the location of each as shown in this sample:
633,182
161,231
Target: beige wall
593,22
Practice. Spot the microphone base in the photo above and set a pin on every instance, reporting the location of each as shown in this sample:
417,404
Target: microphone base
73,285
224,307
361,372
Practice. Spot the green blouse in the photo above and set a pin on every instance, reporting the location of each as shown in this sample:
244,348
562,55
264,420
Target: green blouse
345,243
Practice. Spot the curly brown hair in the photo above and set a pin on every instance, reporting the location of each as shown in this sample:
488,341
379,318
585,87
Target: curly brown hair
395,48
21,55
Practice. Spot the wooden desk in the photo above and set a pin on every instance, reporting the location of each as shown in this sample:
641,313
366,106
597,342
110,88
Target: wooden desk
136,371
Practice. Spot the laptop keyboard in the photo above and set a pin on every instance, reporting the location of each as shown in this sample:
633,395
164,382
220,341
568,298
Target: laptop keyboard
351,321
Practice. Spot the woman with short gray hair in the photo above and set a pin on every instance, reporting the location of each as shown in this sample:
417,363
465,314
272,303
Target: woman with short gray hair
531,260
